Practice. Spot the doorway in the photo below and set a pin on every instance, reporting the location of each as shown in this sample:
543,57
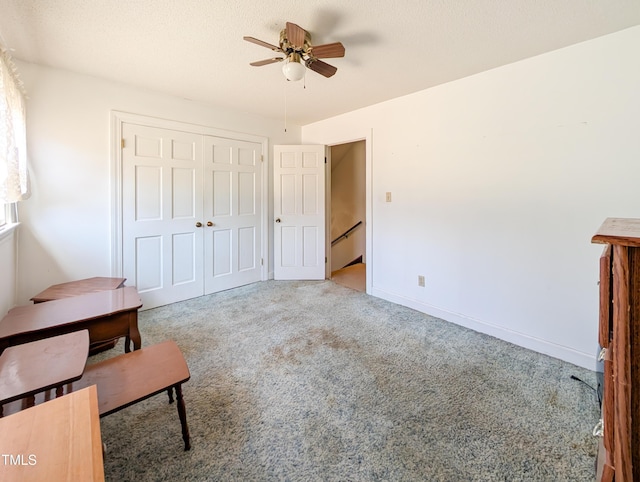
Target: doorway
347,221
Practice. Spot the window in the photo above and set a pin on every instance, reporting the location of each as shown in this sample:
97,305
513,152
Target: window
14,182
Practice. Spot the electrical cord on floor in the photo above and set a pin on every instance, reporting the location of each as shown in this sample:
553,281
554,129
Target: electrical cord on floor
573,377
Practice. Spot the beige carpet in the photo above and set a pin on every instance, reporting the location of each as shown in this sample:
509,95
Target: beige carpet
353,277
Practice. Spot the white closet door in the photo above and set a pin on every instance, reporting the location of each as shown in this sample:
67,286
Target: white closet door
162,251
232,213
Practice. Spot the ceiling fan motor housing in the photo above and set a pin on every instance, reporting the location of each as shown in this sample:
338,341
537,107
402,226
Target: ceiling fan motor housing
289,47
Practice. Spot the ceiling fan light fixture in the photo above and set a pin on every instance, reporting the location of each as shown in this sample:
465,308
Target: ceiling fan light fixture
293,70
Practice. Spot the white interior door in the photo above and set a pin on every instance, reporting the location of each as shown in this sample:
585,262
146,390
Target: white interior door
299,212
162,247
232,213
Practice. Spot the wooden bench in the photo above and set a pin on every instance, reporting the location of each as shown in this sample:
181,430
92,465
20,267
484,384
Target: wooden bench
130,378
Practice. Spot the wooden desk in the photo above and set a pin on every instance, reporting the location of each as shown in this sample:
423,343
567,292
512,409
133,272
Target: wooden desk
79,287
107,315
55,441
42,365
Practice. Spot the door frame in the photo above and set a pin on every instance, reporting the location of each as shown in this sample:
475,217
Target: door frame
118,118
346,137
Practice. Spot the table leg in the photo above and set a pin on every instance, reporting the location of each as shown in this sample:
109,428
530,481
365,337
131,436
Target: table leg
182,413
59,391
134,333
31,401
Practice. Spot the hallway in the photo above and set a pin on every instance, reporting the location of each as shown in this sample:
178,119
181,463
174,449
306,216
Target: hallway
353,277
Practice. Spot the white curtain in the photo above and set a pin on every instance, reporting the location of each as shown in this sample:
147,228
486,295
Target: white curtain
14,178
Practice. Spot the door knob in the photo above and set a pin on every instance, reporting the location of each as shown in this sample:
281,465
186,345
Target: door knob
209,223
278,220
198,224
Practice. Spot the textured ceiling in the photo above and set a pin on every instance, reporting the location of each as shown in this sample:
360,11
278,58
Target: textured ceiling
194,48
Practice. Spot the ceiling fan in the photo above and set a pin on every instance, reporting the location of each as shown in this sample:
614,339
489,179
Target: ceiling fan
299,53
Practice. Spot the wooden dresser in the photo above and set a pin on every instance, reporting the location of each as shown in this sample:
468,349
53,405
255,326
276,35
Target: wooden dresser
619,336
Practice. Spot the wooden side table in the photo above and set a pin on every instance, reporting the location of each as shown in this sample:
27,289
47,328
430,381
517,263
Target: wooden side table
127,379
42,365
82,287
56,440
108,315
79,287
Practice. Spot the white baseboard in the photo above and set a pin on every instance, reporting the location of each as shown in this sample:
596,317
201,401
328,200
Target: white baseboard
585,360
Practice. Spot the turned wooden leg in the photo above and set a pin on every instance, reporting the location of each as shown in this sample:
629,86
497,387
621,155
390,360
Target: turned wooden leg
182,413
134,332
170,393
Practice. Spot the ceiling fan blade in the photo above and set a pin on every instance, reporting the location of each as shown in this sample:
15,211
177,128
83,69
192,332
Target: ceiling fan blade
295,35
328,51
260,63
275,48
321,67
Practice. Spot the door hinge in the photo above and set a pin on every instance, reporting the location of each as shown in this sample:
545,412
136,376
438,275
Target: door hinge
325,159
261,261
325,259
122,143
261,158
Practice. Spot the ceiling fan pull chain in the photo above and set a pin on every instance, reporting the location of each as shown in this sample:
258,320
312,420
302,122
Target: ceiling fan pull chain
285,106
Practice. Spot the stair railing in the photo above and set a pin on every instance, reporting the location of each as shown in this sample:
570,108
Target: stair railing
346,234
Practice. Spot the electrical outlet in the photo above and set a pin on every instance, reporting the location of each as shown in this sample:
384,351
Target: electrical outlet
388,197
421,280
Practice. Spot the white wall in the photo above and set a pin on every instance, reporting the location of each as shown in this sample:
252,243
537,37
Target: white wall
499,180
65,231
8,261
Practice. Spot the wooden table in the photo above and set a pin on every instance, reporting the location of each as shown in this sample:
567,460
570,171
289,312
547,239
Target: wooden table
55,441
42,365
108,315
78,287
127,379
82,287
